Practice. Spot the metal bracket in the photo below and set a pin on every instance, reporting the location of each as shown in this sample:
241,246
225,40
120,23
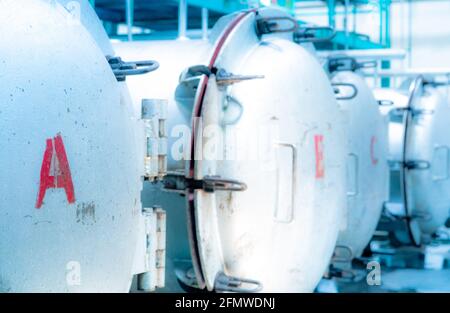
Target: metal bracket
180,183
310,34
155,250
123,69
195,71
346,63
225,283
337,91
410,165
270,25
414,112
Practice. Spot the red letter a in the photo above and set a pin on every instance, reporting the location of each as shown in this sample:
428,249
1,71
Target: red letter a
55,161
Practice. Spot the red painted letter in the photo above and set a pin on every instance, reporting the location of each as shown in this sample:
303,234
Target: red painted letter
320,167
373,142
55,162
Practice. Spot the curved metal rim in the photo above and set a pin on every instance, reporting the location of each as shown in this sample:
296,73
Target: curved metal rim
197,112
415,86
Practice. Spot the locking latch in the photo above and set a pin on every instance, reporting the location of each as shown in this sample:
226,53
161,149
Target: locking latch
223,77
180,183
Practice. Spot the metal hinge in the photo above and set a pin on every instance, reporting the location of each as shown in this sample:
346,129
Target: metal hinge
154,115
180,183
155,250
122,69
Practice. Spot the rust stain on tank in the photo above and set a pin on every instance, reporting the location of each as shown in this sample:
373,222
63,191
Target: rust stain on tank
86,213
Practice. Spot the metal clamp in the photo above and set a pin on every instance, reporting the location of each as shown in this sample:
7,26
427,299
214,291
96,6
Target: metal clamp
225,283
270,25
385,102
337,91
346,63
123,69
179,183
195,71
417,165
310,34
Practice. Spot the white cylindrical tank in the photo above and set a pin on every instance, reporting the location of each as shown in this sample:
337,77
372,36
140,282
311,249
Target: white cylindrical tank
367,166
80,11
70,171
264,182
419,151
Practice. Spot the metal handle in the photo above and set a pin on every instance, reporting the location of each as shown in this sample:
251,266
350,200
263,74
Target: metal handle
308,34
270,25
346,63
346,256
352,86
225,283
123,69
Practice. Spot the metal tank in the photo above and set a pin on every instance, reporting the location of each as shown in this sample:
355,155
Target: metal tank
71,162
419,152
255,189
367,166
80,11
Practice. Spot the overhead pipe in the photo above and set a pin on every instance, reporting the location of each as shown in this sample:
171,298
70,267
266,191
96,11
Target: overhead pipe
205,17
182,19
129,10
